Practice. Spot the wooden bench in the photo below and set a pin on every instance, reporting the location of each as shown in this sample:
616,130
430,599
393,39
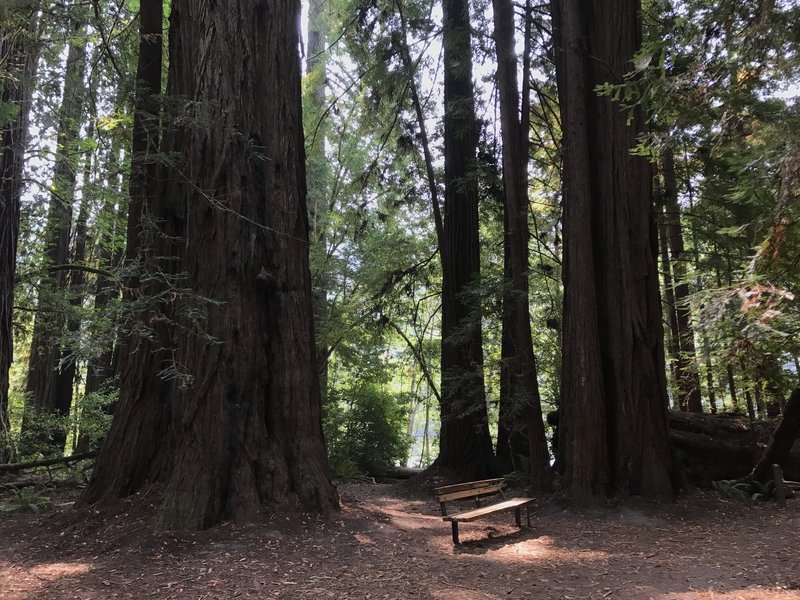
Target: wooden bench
477,490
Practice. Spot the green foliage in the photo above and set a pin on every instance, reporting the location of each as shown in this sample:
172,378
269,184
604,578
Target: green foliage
25,499
93,414
40,429
365,430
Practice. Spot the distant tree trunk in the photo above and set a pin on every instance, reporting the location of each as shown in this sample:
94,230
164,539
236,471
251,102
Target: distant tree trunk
142,424
247,432
464,442
751,410
318,174
18,59
712,394
688,377
759,396
673,346
519,359
510,441
614,397
49,383
732,387
102,363
144,144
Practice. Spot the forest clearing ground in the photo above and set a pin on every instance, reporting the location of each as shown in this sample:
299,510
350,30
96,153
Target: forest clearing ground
389,541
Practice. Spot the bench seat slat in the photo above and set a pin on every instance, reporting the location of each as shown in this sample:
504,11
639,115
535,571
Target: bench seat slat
472,515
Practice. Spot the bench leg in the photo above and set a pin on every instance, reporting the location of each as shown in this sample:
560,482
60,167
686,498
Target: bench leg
518,517
455,533
528,514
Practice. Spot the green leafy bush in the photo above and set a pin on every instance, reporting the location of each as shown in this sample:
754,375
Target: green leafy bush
365,430
94,416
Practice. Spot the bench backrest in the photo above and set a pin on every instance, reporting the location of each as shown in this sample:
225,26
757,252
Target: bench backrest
469,489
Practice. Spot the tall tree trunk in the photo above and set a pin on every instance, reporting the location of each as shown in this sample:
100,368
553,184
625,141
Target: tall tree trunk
142,424
520,360
782,440
614,397
464,442
673,346
688,376
102,363
18,60
758,388
732,387
318,175
49,383
712,393
247,432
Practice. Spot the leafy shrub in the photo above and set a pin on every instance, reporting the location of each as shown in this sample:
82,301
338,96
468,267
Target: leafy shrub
94,416
25,499
365,430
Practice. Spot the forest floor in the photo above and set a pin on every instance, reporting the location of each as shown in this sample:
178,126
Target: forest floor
389,541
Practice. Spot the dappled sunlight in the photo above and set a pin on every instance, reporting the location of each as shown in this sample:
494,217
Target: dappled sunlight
18,582
543,549
54,571
363,539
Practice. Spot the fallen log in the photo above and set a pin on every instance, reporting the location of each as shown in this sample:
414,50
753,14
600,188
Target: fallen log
46,462
721,447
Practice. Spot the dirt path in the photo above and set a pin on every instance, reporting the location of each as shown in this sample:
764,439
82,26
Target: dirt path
389,542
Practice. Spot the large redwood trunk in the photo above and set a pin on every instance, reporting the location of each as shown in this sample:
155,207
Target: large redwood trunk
18,57
614,400
245,432
464,442
518,358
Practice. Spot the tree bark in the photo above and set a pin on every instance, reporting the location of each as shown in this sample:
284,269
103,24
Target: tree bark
319,176
781,442
614,398
246,431
732,387
519,359
673,346
18,59
50,381
464,442
687,374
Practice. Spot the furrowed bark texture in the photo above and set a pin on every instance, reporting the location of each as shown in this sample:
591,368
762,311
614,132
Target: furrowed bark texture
18,57
464,442
782,440
245,413
614,397
249,427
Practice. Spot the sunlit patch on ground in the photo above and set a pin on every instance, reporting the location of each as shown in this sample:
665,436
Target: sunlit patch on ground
18,582
53,571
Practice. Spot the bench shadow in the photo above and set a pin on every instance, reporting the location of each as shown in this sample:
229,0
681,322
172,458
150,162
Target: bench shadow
492,540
